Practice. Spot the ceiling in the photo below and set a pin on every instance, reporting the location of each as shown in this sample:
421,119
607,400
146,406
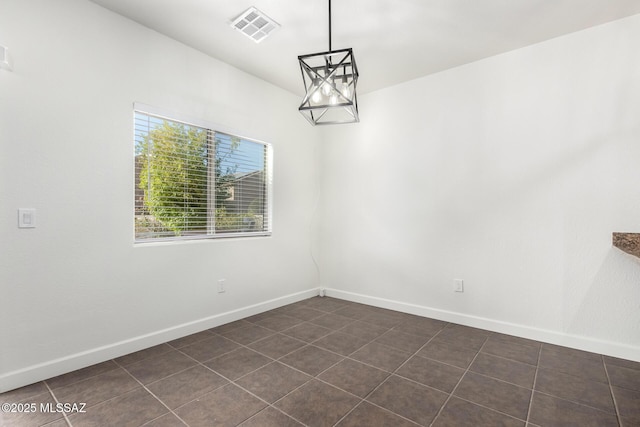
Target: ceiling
393,40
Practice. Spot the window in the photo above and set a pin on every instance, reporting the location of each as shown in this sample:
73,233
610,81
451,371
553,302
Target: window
194,182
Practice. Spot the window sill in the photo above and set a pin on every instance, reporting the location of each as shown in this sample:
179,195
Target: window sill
219,237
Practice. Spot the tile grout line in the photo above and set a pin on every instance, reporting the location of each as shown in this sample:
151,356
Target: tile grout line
489,408
500,380
233,382
482,375
129,391
533,386
512,359
64,415
395,372
362,400
574,402
269,405
311,377
316,377
351,410
390,374
46,381
152,394
230,381
613,396
458,383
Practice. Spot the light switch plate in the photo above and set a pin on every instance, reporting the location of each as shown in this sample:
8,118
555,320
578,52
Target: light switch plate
26,218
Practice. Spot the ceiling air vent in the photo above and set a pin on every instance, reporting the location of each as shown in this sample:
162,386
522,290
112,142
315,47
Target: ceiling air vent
255,24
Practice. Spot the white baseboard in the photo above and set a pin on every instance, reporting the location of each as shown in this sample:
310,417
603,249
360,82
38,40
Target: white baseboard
608,348
43,371
50,369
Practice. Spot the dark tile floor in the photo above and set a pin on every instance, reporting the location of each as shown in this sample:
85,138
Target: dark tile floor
326,362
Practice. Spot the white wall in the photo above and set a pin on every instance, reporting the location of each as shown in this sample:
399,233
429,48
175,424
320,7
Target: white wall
510,173
75,290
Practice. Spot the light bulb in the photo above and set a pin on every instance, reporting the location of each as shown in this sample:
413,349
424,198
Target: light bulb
326,88
346,92
334,99
315,88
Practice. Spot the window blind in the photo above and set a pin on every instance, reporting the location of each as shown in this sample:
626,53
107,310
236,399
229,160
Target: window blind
195,182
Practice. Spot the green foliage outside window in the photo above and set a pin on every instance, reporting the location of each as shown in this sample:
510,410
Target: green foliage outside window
174,176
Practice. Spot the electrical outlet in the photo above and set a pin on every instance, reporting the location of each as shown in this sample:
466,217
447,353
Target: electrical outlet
26,218
222,285
458,285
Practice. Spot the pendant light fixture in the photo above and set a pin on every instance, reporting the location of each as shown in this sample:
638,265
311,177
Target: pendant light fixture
330,80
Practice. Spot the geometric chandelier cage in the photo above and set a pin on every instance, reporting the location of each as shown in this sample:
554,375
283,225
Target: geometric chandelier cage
330,79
